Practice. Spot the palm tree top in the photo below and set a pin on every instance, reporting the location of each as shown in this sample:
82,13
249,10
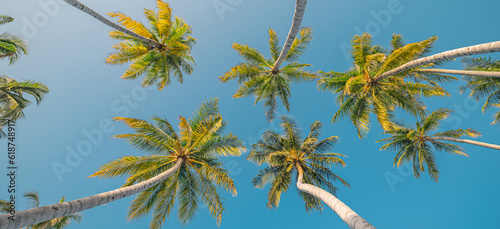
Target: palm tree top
417,144
360,93
199,144
171,58
257,76
287,153
12,100
11,46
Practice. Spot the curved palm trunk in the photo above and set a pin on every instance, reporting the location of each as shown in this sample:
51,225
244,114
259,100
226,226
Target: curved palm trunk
350,217
466,51
45,213
462,72
300,8
487,145
107,22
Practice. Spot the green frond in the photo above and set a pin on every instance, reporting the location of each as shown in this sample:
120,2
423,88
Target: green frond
189,192
130,24
164,18
148,137
126,51
360,116
4,206
33,199
496,118
207,109
12,47
299,45
243,72
4,19
361,47
251,55
274,45
397,42
145,201
407,53
130,165
12,100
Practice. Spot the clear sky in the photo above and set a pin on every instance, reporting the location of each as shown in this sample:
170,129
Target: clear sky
67,52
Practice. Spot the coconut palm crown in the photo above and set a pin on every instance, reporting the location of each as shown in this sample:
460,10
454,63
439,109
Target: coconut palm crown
157,63
285,153
484,87
360,93
11,46
12,100
257,77
416,145
199,144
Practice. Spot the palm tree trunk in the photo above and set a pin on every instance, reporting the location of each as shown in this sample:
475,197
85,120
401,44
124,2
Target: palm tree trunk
466,51
350,217
113,25
45,213
462,72
487,145
300,8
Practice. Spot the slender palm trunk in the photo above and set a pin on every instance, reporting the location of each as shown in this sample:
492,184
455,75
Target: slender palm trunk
107,22
487,145
300,8
466,51
462,72
45,213
350,217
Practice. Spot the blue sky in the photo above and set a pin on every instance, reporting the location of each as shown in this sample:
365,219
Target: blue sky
67,52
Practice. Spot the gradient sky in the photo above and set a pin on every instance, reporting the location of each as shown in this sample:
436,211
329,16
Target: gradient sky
67,52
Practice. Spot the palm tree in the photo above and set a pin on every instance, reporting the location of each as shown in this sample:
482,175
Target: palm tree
300,8
483,87
158,52
309,160
183,167
416,144
157,63
257,77
360,94
34,202
11,46
12,101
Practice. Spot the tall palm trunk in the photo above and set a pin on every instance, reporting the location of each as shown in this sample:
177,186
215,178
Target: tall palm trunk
113,25
45,213
466,51
462,72
487,145
350,217
300,8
